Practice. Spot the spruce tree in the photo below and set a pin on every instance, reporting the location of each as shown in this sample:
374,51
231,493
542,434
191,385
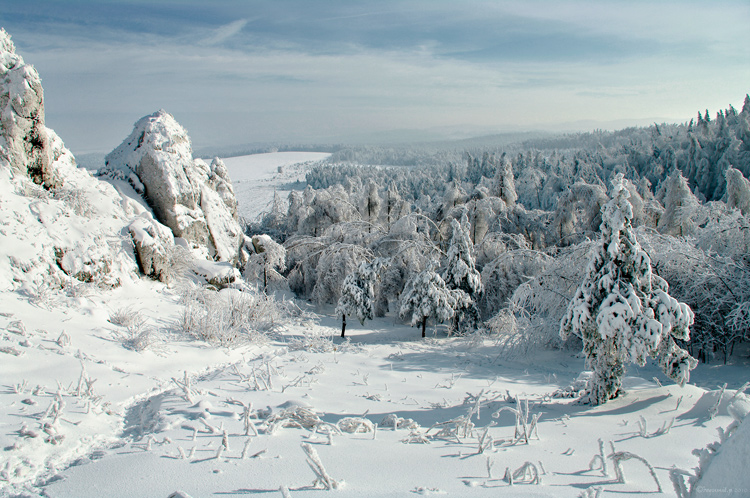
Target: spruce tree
460,274
622,311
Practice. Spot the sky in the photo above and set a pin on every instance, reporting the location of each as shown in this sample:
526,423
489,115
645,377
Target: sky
314,71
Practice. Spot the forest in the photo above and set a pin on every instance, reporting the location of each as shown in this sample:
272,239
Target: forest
500,236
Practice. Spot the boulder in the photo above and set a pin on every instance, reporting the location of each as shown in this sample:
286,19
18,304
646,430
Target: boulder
195,200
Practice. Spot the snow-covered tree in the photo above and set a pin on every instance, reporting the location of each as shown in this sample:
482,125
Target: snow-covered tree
578,212
679,205
622,311
358,293
336,262
460,273
505,185
393,205
426,295
371,203
267,259
738,191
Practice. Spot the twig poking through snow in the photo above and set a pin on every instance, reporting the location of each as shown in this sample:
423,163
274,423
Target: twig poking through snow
322,477
620,456
715,409
187,391
63,339
243,456
601,458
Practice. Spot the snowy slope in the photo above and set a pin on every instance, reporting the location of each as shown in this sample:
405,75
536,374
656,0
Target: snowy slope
256,177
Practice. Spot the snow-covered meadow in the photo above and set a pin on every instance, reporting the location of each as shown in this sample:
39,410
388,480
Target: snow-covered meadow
84,415
257,177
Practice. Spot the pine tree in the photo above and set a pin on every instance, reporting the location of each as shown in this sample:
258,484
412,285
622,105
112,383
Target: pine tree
622,311
426,295
460,274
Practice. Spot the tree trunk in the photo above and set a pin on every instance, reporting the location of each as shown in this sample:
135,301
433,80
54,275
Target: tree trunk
424,325
265,279
343,325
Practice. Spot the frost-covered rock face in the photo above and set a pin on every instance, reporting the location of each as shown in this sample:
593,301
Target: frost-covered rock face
24,144
153,246
192,198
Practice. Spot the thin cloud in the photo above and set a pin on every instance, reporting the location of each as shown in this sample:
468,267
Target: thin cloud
223,33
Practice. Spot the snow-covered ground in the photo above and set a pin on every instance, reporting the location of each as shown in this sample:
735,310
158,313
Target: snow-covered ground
256,177
83,415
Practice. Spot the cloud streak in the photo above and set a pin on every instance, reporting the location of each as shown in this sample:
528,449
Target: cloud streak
225,32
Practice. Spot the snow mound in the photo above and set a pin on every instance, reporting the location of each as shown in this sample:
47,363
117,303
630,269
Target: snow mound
195,200
727,471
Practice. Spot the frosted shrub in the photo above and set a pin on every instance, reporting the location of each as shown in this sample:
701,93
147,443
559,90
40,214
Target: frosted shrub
622,311
229,317
75,199
135,335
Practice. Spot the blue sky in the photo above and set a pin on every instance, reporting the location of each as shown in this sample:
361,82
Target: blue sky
323,71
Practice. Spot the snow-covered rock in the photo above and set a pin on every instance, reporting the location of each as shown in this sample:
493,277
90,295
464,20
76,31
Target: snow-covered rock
153,245
24,144
193,199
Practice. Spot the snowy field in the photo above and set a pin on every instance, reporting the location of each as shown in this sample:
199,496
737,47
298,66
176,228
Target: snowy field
296,410
130,425
256,177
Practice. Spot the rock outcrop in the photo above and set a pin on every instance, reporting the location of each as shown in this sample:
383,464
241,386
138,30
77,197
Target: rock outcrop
195,200
59,226
24,143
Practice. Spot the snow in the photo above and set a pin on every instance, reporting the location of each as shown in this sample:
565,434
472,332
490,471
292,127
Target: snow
727,472
256,177
103,394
